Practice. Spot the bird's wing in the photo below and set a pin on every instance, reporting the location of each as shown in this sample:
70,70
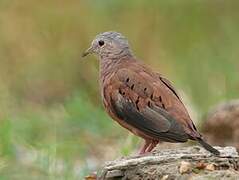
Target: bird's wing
169,85
192,130
136,99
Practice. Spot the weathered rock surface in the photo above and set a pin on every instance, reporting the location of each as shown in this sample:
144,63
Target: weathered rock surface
192,163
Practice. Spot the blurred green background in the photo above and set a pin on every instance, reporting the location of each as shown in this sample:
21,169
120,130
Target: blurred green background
52,123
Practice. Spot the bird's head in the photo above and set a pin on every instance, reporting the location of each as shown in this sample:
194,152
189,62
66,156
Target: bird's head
109,44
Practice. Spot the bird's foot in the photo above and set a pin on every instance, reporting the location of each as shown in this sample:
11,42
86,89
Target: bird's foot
148,146
144,147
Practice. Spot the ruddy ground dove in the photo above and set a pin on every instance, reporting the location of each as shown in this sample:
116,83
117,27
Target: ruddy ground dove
139,99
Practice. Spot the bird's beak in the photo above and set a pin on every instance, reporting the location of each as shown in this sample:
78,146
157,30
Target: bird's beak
88,51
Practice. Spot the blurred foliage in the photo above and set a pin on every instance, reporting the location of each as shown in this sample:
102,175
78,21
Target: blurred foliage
52,121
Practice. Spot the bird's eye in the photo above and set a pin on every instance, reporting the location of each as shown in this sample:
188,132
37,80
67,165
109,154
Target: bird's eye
101,43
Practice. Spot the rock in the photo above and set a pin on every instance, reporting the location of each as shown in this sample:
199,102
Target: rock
114,173
221,125
185,167
210,167
180,163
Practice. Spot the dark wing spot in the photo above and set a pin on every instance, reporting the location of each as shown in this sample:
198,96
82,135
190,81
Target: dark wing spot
127,80
163,106
145,89
121,92
194,127
160,98
151,97
132,86
137,102
149,103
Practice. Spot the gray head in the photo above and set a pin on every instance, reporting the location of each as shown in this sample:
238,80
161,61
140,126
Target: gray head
109,44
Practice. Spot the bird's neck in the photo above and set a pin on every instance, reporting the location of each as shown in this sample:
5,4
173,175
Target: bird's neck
108,65
116,54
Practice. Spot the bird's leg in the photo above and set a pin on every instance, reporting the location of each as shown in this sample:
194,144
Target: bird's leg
151,146
144,147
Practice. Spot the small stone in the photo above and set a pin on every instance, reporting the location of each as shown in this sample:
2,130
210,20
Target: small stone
210,167
185,167
165,177
201,165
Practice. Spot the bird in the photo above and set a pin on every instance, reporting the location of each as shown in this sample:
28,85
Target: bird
140,99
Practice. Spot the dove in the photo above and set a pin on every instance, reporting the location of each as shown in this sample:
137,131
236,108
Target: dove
140,99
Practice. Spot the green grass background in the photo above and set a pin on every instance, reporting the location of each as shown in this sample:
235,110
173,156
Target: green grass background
52,124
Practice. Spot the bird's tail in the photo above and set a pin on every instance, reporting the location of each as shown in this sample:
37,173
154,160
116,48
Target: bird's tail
208,147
